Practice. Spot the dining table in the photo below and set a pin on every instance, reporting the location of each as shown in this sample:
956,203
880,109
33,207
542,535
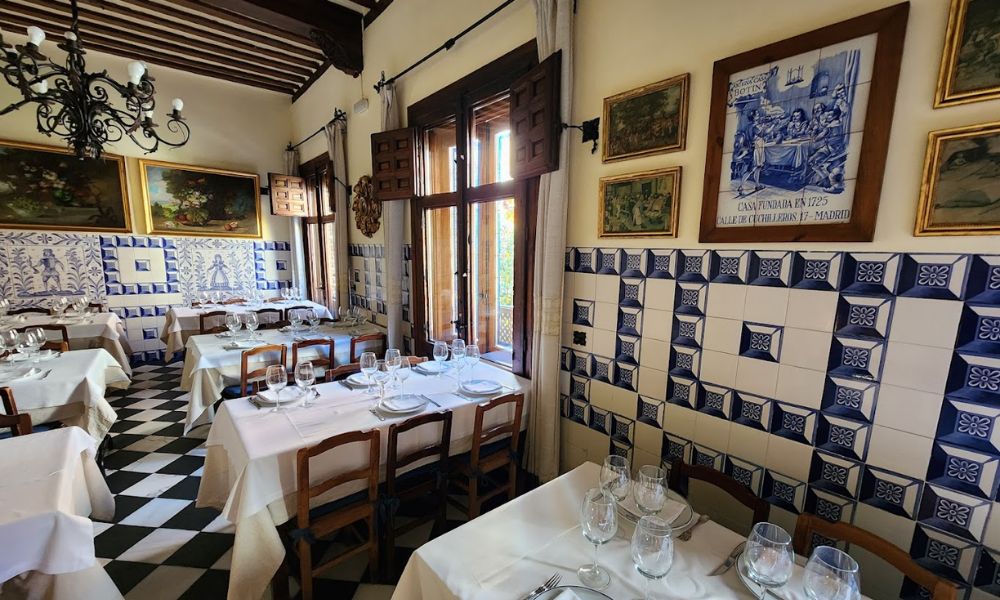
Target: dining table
181,322
211,362
250,473
92,330
513,549
50,488
69,387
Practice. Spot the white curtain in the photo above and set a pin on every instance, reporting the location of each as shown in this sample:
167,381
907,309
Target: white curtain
393,221
554,32
336,139
298,253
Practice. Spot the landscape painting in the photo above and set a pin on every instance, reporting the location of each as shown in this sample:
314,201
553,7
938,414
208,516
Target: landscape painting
970,65
960,194
640,204
186,200
647,120
43,187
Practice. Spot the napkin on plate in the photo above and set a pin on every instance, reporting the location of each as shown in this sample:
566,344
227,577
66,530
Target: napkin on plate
567,594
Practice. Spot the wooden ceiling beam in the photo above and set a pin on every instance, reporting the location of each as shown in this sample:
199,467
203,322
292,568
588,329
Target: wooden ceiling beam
378,9
302,89
211,9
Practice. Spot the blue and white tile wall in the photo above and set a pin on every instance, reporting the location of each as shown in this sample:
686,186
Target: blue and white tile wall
863,387
139,277
368,286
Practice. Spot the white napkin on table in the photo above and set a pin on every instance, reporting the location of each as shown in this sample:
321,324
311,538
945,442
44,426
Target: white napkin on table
567,594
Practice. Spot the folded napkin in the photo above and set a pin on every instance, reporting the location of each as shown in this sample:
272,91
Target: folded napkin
567,594
240,345
430,368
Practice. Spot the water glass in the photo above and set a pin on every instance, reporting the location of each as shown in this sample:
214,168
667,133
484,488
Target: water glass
769,556
392,356
276,379
382,375
440,355
652,550
313,321
9,339
295,319
233,323
650,489
305,376
599,524
252,322
471,356
831,574
458,355
36,339
403,373
368,365
615,476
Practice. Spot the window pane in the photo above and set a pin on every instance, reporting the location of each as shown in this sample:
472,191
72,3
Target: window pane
490,143
440,271
491,256
440,171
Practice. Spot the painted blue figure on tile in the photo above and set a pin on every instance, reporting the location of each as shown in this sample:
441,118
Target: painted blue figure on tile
49,266
218,268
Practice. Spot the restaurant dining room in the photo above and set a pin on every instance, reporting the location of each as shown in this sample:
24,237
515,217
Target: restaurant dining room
499,299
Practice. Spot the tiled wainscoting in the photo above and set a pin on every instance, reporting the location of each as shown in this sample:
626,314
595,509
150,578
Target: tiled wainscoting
368,286
858,386
139,277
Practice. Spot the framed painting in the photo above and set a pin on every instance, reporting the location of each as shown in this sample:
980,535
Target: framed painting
640,204
43,187
648,120
798,134
186,200
960,192
969,71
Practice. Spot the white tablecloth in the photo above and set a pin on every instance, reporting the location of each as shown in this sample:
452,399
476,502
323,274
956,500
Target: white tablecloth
49,486
104,330
511,550
209,367
72,392
250,465
182,321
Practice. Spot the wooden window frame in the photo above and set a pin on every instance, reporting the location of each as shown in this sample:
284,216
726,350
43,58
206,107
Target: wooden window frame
319,167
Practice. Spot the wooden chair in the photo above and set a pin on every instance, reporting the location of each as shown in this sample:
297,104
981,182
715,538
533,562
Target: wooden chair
218,329
319,362
58,345
272,325
328,519
343,371
807,525
210,320
97,307
487,457
30,310
266,316
309,312
425,482
250,380
377,340
416,360
681,472
17,423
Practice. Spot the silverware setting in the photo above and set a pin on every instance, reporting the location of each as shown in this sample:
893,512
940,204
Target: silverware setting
729,562
255,402
690,531
429,399
375,412
550,583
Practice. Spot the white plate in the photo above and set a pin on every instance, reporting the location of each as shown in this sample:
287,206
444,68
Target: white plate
42,355
481,387
434,367
402,405
20,375
285,396
357,380
583,593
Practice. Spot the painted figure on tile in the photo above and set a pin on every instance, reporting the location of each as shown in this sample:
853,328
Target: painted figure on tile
48,266
218,268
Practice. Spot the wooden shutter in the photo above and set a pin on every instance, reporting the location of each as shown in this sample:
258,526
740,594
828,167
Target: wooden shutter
288,195
535,120
394,160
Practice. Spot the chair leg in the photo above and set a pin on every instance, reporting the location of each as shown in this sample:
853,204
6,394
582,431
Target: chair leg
305,570
512,481
373,551
473,497
389,550
279,583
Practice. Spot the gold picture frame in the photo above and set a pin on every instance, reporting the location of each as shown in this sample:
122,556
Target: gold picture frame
196,212
25,217
956,44
953,163
626,107
652,183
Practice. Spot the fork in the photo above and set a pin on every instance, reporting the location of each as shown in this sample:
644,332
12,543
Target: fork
550,583
376,413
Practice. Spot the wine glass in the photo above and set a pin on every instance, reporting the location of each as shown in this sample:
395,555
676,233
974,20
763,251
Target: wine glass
342,313
831,574
649,490
313,321
599,523
458,355
295,320
233,324
368,365
9,339
36,339
392,356
403,373
615,476
276,379
440,355
305,376
252,322
382,375
652,550
23,343
769,555
471,357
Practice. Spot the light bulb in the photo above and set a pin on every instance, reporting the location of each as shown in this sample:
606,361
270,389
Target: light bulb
178,104
135,72
69,35
40,87
148,114
35,36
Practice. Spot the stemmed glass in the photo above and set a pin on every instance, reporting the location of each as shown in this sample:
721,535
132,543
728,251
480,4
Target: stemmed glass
652,550
368,366
252,322
276,379
295,320
770,559
382,375
9,339
403,373
615,476
23,343
342,313
599,522
458,355
36,338
440,355
392,358
649,490
831,575
233,324
471,357
313,321
305,376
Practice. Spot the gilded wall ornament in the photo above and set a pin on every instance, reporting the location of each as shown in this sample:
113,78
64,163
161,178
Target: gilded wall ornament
367,208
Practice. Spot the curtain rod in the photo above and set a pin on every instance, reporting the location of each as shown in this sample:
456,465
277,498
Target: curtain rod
338,115
445,46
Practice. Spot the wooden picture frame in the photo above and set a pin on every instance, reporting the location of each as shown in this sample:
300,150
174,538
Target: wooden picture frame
639,104
960,79
60,192
181,200
818,183
955,188
653,183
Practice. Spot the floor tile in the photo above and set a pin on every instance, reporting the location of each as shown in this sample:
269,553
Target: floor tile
203,550
157,546
154,485
165,582
156,512
117,539
183,465
127,575
194,518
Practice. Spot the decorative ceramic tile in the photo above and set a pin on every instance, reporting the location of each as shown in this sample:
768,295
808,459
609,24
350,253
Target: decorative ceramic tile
783,491
958,514
829,506
633,263
682,391
943,554
599,420
850,398
688,330
843,436
869,273
706,457
691,298
659,264
891,492
650,411
579,363
752,411
730,266
863,316
579,388
835,474
861,359
747,473
979,330
622,429
771,268
794,422
761,341
676,448
583,312
575,410
988,573
963,470
581,260
685,362
602,369
618,449
816,270
630,320
693,265
716,401
626,376
984,280
933,275
606,261
631,292
969,425
974,378
627,349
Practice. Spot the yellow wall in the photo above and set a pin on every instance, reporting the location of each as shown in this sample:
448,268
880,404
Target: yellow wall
233,127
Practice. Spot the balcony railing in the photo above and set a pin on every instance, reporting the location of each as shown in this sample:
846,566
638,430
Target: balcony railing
505,326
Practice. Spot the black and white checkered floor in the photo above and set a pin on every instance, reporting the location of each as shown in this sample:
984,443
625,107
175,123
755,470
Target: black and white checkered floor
160,546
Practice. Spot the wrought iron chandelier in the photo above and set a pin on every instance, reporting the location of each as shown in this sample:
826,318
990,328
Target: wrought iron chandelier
76,105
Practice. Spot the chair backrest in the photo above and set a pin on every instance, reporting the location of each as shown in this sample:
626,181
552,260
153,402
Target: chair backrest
304,312
307,491
59,345
98,307
269,315
209,320
416,360
681,472
513,427
374,342
218,329
17,423
343,371
29,310
273,325
247,376
807,525
320,361
440,448
235,301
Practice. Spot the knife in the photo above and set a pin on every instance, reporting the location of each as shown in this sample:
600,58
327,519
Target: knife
730,560
429,399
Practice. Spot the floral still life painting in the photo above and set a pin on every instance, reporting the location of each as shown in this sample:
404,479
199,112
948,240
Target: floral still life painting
185,200
48,188
640,204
